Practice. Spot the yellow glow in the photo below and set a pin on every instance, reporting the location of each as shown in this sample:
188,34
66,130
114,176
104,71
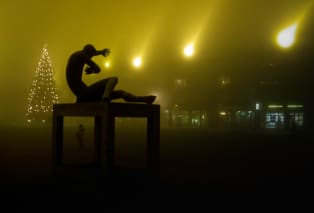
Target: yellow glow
137,62
295,106
273,106
189,50
286,37
107,64
223,113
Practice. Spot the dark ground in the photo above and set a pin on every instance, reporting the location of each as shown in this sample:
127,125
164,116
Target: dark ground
199,169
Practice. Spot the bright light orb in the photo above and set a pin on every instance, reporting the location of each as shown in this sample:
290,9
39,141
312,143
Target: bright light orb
189,50
286,38
137,62
107,64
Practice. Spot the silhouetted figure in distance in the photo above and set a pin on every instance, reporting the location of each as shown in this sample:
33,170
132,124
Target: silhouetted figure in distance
102,90
80,136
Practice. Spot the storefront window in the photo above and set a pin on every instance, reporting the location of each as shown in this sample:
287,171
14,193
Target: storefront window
296,119
275,120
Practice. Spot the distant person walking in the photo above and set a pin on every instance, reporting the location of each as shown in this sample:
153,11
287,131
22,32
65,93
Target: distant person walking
102,90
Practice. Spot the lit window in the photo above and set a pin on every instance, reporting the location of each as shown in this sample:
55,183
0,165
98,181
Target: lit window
257,106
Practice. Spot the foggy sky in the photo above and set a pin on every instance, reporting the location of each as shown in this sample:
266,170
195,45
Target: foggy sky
159,30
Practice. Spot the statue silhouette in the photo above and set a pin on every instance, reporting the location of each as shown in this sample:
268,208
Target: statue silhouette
102,90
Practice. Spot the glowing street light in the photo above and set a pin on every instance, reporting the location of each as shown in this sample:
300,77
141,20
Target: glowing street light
137,62
107,64
189,50
223,113
286,37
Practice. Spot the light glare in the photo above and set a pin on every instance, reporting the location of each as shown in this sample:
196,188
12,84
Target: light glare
223,113
286,38
107,64
189,50
294,106
137,62
274,106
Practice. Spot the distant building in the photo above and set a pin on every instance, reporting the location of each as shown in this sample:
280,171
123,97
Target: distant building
265,104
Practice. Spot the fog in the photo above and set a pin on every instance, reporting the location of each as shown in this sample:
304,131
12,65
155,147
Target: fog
232,38
236,116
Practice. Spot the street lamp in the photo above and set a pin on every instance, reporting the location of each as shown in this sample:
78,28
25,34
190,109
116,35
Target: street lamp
189,50
137,62
286,37
107,64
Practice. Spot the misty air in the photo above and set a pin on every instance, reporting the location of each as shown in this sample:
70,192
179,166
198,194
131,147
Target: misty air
156,104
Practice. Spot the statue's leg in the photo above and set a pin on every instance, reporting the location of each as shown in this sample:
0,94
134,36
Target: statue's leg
116,94
110,84
98,91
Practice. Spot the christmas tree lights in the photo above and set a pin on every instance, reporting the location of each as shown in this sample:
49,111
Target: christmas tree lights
43,93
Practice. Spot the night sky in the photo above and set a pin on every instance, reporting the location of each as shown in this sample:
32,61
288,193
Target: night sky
232,38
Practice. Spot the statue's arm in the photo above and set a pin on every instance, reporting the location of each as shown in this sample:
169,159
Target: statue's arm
92,67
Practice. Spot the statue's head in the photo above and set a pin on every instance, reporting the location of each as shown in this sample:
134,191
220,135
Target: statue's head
89,49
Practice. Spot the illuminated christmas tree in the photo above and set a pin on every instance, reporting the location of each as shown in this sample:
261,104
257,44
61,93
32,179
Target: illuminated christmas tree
43,93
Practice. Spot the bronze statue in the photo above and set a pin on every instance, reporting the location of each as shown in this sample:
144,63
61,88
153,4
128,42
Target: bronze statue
102,90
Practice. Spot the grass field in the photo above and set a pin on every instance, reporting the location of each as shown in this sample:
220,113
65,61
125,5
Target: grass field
199,169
